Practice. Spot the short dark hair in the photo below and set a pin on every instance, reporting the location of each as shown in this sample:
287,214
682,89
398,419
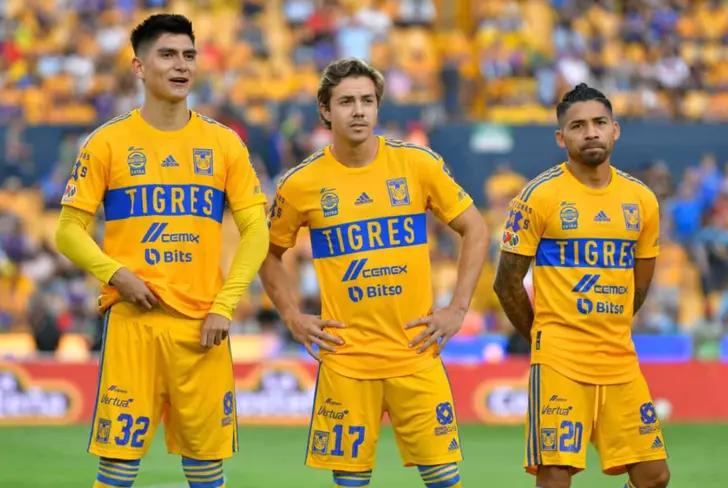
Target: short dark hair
581,93
345,68
154,26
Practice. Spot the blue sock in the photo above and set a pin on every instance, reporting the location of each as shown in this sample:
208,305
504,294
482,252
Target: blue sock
117,472
203,474
440,475
352,478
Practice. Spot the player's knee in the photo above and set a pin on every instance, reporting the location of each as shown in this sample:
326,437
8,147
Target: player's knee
657,479
352,478
553,477
440,475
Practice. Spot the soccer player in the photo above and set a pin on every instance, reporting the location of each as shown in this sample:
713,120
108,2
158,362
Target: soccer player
593,230
164,174
364,199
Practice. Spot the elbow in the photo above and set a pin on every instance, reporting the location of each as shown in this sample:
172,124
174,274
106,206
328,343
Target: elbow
60,239
499,287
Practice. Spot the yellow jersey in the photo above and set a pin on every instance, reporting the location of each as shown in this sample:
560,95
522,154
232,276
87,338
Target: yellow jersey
368,236
163,194
585,242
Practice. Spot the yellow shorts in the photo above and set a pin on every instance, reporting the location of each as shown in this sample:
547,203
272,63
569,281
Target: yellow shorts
153,367
347,415
564,414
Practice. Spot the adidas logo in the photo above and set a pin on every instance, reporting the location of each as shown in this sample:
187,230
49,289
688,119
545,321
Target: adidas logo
602,217
657,444
453,445
363,198
169,162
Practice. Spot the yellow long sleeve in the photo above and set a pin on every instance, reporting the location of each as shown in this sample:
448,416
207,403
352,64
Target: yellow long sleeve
74,241
249,255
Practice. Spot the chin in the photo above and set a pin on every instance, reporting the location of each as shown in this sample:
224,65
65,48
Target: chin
359,138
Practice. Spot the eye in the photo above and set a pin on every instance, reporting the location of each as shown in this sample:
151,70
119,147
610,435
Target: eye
190,57
602,122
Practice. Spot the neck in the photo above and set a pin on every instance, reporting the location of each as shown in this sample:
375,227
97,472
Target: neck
592,176
165,115
355,155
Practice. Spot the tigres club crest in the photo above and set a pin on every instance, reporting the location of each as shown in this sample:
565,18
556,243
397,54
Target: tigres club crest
320,442
202,161
631,216
398,192
329,202
548,439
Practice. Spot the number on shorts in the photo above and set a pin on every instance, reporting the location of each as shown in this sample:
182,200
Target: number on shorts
339,439
143,426
570,441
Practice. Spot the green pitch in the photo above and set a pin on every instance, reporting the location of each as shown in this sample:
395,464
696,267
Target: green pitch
272,457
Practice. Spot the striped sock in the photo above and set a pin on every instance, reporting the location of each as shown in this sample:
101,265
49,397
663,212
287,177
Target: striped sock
203,474
440,475
350,478
116,473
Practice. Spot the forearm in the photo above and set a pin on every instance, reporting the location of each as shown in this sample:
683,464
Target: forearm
640,295
74,242
472,255
643,271
248,257
512,268
277,285
517,306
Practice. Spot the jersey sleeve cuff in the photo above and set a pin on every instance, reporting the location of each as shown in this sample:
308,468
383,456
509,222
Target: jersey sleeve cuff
455,211
257,200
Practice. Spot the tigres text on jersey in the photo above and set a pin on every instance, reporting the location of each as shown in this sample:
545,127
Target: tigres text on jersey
585,242
163,194
369,241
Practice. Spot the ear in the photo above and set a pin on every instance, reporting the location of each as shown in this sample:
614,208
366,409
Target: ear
617,130
138,68
325,112
560,138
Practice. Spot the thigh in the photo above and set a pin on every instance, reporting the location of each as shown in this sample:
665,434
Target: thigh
559,420
345,422
627,429
423,416
201,418
129,398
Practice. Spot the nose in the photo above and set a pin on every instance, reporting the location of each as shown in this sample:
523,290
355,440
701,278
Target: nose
358,108
181,64
591,131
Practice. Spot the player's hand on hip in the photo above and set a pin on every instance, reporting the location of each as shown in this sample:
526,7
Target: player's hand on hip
309,330
133,289
440,326
214,330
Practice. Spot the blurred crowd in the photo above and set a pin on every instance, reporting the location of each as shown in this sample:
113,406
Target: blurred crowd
68,61
42,293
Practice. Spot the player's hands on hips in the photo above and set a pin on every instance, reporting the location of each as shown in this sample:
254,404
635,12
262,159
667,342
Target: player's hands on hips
133,289
309,330
441,325
214,330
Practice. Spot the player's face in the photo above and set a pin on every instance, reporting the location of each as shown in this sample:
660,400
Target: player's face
167,67
353,109
588,133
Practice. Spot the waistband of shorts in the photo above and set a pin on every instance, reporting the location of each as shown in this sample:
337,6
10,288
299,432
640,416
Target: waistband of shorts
126,309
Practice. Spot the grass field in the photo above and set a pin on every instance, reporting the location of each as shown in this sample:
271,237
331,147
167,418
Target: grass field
271,457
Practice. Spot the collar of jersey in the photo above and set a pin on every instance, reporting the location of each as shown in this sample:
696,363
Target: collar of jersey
183,132
588,189
363,169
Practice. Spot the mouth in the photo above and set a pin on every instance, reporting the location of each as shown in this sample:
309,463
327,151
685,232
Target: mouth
179,81
358,125
592,146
